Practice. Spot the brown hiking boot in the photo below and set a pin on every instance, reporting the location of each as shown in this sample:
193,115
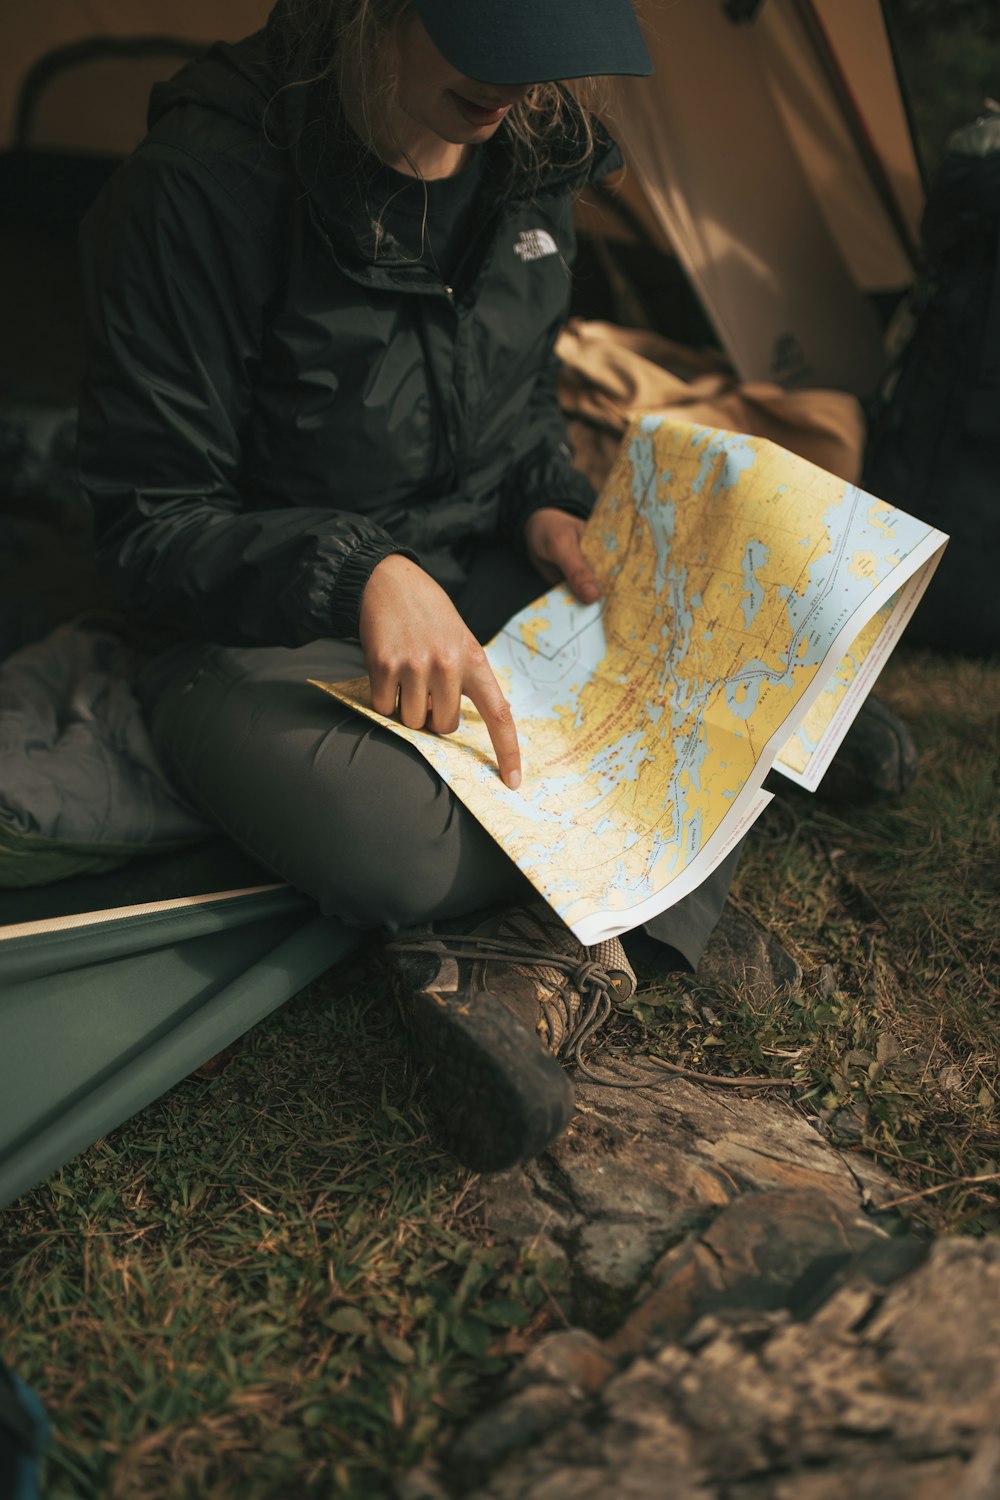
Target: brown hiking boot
492,1010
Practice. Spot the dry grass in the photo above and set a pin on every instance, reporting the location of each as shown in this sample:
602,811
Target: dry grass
272,1284
893,912
267,1285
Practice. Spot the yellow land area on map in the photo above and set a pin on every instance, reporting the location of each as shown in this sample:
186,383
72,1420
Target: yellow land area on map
746,594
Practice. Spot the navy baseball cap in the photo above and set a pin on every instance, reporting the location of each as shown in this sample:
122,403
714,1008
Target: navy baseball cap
536,41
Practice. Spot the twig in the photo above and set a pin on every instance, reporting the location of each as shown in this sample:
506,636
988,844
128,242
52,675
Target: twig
751,1082
940,1187
248,1198
921,1166
553,1299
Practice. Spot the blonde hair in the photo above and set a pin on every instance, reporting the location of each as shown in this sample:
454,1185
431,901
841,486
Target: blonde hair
329,40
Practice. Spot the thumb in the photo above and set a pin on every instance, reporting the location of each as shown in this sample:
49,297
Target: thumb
574,567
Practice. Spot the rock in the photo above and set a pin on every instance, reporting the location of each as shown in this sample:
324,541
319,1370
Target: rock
884,1385
764,1337
981,1480
525,1415
423,1483
763,1252
743,955
616,1255
640,1169
573,1358
528,1211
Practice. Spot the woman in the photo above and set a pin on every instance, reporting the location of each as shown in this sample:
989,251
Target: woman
321,437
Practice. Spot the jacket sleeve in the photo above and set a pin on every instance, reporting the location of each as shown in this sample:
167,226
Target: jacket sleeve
542,472
177,279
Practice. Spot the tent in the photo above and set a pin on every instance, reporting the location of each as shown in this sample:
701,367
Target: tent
770,152
771,178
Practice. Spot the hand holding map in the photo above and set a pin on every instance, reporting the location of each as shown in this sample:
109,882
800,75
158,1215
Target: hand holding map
749,601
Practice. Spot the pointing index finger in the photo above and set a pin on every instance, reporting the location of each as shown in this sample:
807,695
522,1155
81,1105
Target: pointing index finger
484,691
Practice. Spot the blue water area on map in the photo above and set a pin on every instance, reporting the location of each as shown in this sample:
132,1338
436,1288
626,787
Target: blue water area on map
736,452
575,641
804,739
755,555
527,803
743,690
680,708
544,853
552,676
636,888
619,762
833,590
658,512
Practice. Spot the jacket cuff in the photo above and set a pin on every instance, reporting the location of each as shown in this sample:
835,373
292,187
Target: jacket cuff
358,567
566,490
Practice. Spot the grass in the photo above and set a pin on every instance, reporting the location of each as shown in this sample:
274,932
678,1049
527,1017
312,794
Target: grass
269,1284
894,913
272,1283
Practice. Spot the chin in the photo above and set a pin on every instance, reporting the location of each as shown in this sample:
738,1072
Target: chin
472,135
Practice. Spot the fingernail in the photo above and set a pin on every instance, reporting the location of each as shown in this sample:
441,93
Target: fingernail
514,780
590,592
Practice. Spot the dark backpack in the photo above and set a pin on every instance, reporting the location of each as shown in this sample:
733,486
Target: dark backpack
935,445
24,1433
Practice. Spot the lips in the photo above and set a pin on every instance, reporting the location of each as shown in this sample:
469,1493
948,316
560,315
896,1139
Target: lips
479,114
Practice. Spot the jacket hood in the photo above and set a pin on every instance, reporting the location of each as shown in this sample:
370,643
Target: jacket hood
237,79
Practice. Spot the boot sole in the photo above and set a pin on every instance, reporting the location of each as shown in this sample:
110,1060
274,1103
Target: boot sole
498,1096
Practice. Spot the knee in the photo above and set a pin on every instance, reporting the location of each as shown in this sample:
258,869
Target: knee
405,888
397,872
390,858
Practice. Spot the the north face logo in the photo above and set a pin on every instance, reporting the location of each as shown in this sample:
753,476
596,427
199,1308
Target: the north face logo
534,243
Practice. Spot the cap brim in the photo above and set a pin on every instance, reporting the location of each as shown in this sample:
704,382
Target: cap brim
536,41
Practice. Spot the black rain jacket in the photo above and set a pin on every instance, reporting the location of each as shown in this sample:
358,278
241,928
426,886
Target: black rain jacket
270,408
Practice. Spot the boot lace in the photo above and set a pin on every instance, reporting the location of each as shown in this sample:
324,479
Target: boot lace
592,982
580,974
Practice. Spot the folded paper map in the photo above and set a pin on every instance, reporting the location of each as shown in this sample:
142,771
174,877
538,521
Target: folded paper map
750,600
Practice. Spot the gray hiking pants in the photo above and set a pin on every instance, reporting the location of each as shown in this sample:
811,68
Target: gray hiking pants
341,808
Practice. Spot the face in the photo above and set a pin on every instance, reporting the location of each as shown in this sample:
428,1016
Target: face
440,111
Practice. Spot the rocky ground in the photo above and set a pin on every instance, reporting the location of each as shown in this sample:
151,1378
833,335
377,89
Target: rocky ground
748,1319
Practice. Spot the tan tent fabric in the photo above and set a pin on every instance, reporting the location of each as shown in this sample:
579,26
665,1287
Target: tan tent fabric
854,210
741,152
865,60
709,143
610,373
31,28
66,109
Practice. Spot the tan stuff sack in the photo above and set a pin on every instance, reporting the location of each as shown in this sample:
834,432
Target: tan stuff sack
609,373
